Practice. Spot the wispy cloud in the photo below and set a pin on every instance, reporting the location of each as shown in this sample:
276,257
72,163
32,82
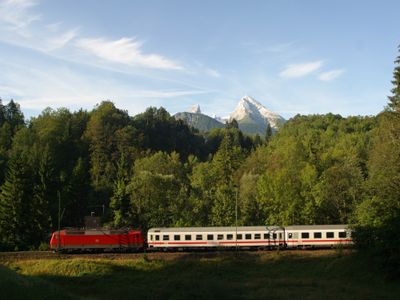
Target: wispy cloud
126,51
17,28
157,94
330,75
55,86
8,90
54,27
20,25
62,40
300,70
212,72
16,14
277,48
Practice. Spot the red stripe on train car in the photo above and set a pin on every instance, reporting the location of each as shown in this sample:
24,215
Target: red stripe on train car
251,242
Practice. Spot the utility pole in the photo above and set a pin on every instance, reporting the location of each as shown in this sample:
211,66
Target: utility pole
236,216
59,221
60,216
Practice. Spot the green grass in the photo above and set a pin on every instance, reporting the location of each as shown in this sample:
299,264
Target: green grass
284,275
16,286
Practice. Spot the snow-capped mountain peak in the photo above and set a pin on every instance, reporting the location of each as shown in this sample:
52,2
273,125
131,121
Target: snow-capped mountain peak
251,116
248,107
195,109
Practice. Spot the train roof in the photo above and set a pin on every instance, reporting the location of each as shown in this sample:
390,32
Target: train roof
208,229
95,231
317,227
246,228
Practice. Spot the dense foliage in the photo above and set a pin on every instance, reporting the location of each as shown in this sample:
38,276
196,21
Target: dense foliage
378,216
152,170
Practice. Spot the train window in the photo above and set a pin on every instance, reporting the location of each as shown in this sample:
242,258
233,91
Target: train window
330,235
305,235
257,236
274,236
188,237
248,236
342,234
210,237
151,237
117,232
199,237
290,235
280,235
266,236
165,237
177,237
74,232
157,237
229,236
239,236
317,235
220,237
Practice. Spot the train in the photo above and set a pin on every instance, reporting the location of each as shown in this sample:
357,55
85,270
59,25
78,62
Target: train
203,238
69,240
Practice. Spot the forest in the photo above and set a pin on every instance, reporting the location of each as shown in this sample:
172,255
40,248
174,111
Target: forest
152,170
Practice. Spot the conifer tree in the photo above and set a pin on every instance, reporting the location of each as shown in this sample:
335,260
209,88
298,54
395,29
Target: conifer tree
15,207
225,163
120,200
14,116
42,196
76,196
394,99
268,133
2,113
100,132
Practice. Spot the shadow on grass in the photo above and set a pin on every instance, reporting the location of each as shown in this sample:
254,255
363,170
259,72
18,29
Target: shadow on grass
221,276
16,286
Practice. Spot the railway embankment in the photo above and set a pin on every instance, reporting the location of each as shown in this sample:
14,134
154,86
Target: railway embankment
311,274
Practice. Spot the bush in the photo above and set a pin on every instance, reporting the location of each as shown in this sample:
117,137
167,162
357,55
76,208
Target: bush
44,246
382,244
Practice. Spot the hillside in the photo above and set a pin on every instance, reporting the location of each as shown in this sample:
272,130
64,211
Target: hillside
199,121
252,117
327,274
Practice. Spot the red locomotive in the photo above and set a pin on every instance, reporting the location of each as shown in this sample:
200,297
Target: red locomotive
96,239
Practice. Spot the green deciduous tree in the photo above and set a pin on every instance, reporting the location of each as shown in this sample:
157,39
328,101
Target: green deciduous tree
378,217
156,191
120,199
225,163
101,135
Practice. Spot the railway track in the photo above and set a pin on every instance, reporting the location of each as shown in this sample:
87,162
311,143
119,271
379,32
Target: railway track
33,255
40,255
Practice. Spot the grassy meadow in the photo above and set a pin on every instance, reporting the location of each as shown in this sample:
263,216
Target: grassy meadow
246,275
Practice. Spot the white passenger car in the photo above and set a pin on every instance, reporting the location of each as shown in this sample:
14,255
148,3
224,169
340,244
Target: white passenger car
205,237
248,237
317,236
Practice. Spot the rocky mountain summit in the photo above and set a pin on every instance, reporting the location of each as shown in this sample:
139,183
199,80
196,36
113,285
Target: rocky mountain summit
252,117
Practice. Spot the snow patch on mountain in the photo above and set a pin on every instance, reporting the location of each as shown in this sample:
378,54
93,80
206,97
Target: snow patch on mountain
249,107
222,120
195,109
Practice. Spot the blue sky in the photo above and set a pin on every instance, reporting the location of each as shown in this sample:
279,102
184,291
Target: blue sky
294,57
